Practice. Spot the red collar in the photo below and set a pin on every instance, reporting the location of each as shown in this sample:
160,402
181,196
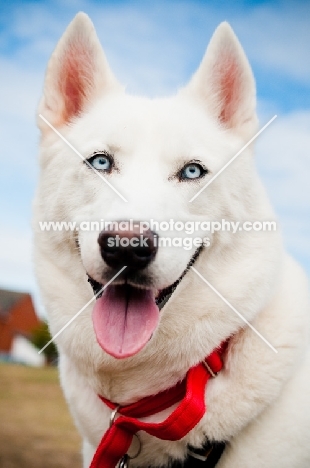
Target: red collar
190,393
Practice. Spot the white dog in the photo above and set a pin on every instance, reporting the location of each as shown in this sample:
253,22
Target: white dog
158,320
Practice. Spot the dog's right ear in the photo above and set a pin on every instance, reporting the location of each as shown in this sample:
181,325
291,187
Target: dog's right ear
76,75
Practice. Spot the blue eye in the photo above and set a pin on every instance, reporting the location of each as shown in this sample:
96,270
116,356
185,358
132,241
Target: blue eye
192,171
101,162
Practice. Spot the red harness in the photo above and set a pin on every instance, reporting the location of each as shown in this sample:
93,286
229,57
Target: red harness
190,393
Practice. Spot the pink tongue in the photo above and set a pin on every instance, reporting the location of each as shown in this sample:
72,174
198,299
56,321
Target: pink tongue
124,320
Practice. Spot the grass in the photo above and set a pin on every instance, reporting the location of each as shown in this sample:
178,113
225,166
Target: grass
36,429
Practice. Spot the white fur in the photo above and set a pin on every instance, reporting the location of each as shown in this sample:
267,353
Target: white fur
260,400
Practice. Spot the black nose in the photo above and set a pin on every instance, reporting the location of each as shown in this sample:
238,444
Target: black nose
131,248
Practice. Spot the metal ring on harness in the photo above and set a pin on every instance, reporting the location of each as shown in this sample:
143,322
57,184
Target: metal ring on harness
113,415
112,419
139,449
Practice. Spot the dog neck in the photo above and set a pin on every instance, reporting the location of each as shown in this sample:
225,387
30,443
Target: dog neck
189,395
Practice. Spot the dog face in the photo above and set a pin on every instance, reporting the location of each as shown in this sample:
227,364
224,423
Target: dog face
155,155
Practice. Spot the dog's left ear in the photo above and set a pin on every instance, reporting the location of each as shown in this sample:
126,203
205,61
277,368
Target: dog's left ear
77,74
225,82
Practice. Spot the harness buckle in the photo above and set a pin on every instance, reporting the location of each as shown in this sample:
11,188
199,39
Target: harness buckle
124,462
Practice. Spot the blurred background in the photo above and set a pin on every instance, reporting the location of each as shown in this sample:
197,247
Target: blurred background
153,47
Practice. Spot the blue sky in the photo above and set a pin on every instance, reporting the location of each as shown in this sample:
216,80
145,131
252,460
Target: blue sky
153,48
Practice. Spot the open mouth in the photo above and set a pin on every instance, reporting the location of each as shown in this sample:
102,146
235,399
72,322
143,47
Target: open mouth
126,316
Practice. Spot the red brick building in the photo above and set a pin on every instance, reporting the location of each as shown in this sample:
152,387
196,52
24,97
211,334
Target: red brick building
17,318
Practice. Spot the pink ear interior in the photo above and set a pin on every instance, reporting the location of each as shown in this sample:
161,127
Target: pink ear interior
229,87
75,79
225,82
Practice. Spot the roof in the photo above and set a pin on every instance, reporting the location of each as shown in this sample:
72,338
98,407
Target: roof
8,299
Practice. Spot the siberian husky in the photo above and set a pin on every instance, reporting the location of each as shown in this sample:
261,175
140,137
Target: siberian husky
171,307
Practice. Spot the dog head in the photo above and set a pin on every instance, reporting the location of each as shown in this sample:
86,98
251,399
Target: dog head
131,160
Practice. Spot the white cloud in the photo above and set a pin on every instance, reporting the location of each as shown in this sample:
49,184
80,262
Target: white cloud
19,94
15,258
276,37
20,88
16,265
283,159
